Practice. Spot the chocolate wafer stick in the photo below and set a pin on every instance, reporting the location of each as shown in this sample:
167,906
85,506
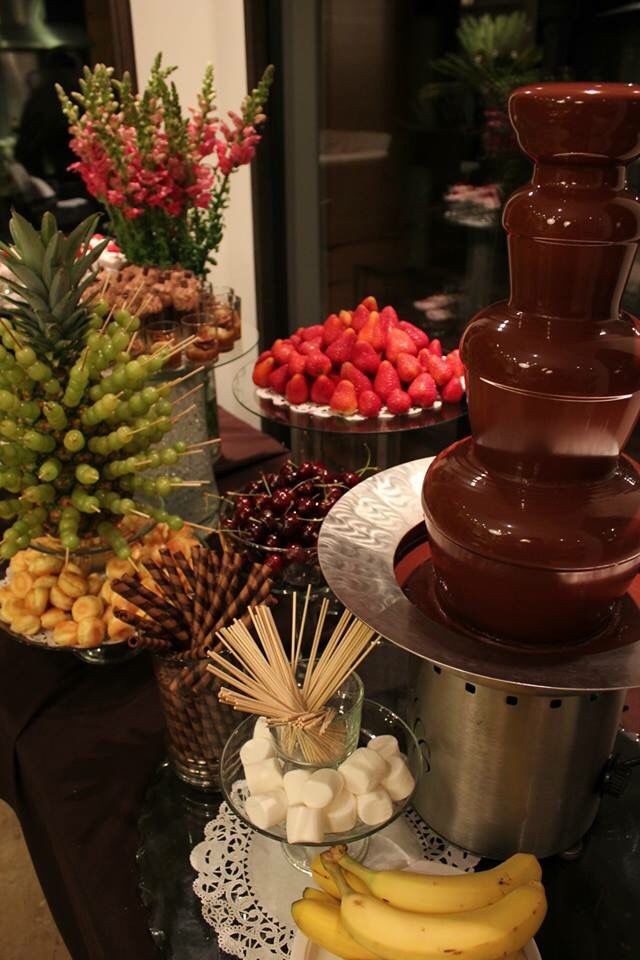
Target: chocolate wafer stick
185,568
231,564
168,579
153,644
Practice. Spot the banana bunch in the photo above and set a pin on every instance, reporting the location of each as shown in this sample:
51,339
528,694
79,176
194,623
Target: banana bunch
362,914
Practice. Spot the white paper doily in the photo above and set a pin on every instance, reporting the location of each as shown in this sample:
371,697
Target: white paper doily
247,886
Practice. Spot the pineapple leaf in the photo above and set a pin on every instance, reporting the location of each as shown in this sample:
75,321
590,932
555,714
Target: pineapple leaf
27,241
83,263
51,256
33,299
61,309
48,227
59,286
79,237
27,276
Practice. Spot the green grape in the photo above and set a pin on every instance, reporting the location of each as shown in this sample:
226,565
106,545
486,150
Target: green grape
99,361
134,373
180,446
95,323
149,487
138,405
28,479
73,441
9,508
70,541
154,460
8,402
114,538
50,470
128,483
95,340
168,456
150,395
36,516
39,371
164,486
133,325
87,475
83,501
163,408
39,493
40,442
29,410
174,522
25,356
10,429
99,445
55,415
101,308
122,317
124,435
95,392
23,541
11,480
53,388
119,377
119,341
8,550
16,377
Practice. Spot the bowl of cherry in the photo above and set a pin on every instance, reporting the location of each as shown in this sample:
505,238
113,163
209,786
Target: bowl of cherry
277,518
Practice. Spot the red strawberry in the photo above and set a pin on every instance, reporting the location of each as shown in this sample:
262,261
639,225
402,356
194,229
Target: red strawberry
435,347
281,350
264,355
374,332
297,389
408,367
398,401
423,390
308,346
346,316
297,363
370,303
369,403
322,389
399,342
418,336
279,378
386,380
389,317
311,333
454,361
452,392
359,318
424,358
440,370
295,339
262,370
341,349
332,328
344,399
358,379
318,363
364,357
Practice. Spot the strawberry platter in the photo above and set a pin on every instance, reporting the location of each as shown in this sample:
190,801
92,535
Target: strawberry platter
364,372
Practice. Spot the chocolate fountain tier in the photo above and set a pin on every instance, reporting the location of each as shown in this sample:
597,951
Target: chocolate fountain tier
537,511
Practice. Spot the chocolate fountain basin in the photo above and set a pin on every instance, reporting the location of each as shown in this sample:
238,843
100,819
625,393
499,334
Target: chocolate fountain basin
516,737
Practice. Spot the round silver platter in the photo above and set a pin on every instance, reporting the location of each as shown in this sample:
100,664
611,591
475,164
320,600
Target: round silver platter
357,549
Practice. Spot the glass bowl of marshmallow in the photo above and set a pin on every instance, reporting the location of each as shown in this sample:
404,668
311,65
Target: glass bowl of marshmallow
306,807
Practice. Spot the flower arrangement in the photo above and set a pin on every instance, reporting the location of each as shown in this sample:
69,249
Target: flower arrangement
162,176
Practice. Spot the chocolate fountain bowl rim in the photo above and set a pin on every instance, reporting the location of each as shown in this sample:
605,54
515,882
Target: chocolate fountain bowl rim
357,547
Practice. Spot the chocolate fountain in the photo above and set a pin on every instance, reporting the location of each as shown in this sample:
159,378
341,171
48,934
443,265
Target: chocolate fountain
520,595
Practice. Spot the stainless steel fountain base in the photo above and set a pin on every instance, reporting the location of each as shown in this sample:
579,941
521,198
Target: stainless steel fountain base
506,771
515,740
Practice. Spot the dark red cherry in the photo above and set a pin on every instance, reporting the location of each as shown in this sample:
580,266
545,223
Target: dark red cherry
349,478
281,500
273,540
296,553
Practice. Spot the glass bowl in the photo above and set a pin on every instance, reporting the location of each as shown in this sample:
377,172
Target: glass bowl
376,721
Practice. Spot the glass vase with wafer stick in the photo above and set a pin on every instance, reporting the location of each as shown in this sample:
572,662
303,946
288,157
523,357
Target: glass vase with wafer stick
176,604
302,773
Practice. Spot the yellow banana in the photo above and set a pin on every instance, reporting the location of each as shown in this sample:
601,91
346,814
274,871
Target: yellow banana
321,876
321,923
424,893
484,934
310,893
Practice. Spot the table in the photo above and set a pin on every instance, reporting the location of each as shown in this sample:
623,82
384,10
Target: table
79,746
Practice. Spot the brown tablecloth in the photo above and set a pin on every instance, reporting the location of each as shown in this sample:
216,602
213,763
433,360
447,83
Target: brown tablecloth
78,747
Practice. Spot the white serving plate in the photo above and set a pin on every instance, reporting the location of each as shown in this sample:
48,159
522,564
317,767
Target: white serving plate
303,949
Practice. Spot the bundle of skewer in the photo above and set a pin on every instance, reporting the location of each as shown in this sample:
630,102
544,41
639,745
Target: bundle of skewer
294,696
177,605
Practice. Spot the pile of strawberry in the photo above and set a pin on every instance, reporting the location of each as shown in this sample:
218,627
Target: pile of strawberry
361,361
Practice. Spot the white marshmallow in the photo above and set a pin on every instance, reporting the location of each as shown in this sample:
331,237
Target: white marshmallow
266,810
261,730
253,751
363,770
399,782
341,814
386,745
294,781
322,788
374,807
264,777
304,825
